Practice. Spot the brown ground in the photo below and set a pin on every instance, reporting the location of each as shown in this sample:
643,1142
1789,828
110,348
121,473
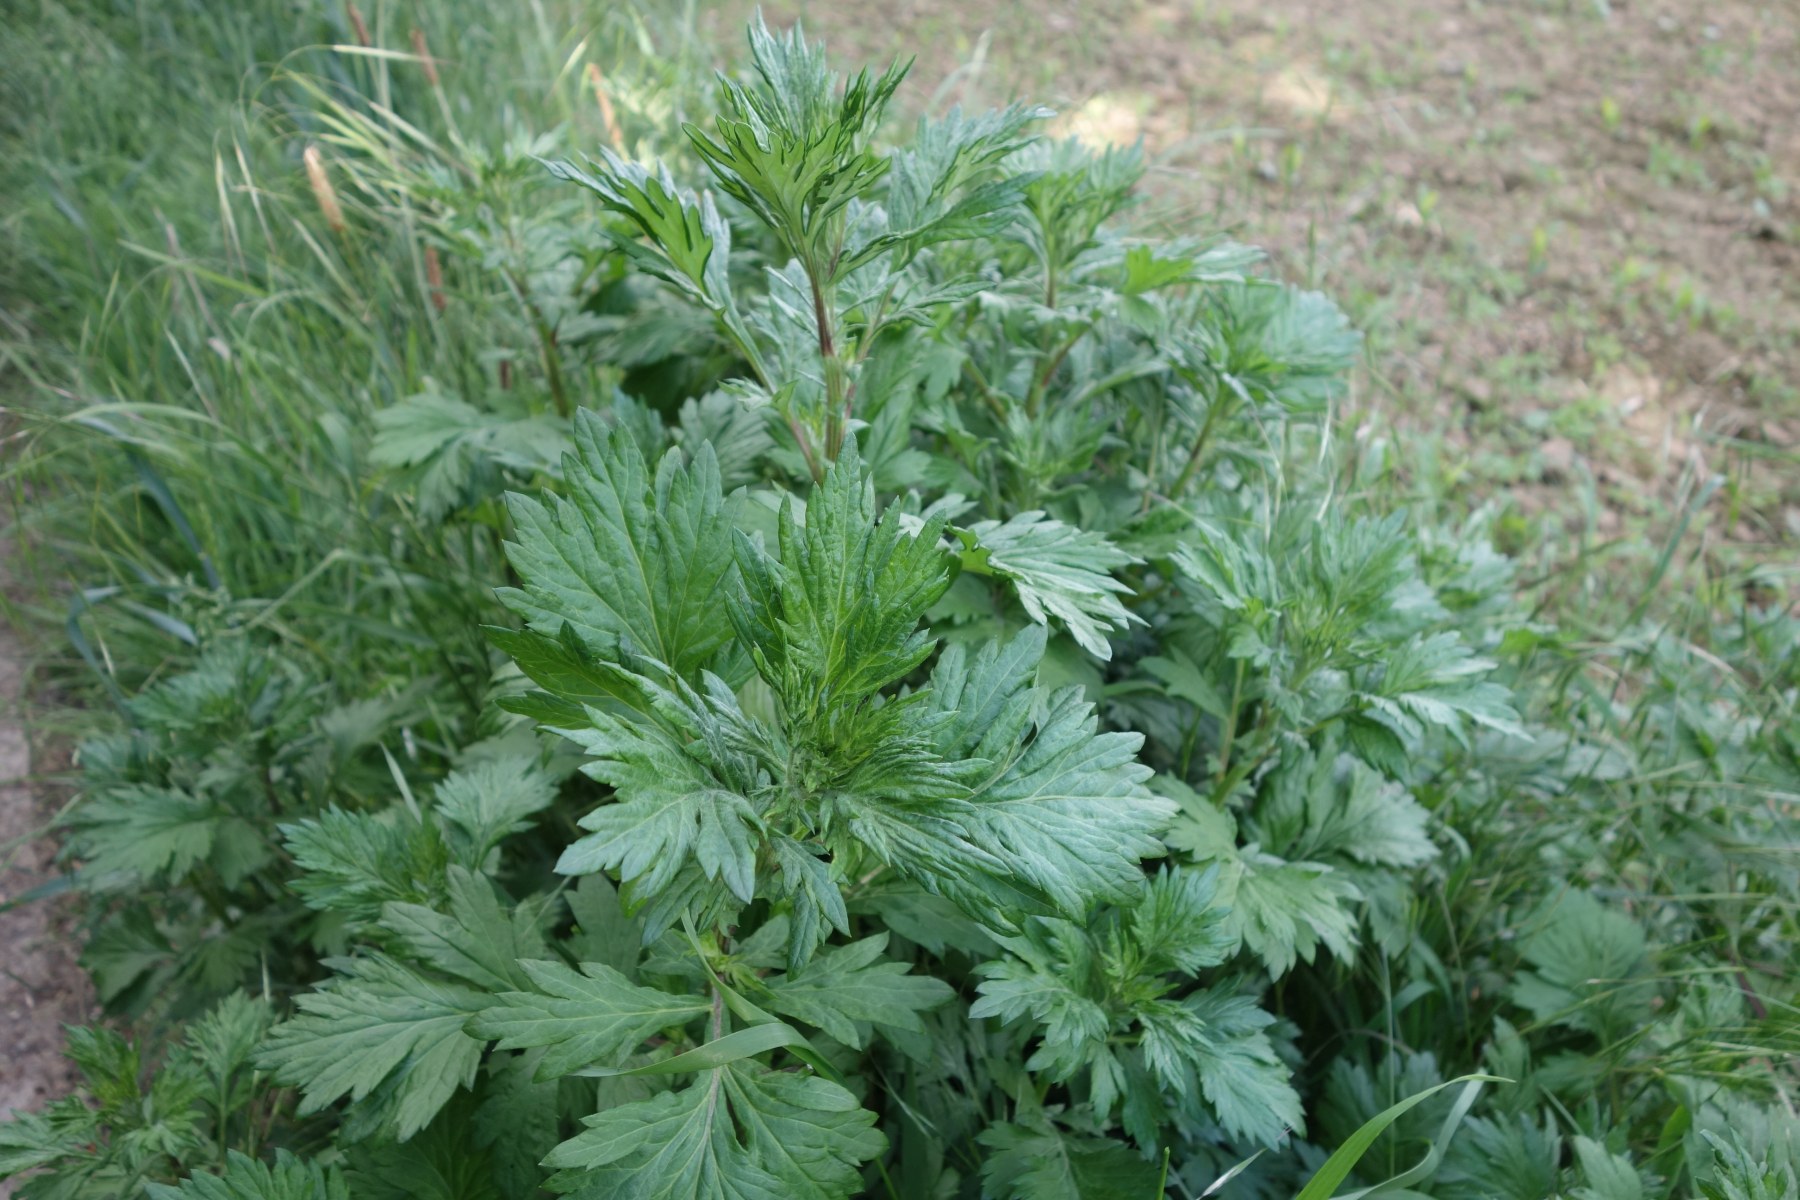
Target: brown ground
1570,228
41,986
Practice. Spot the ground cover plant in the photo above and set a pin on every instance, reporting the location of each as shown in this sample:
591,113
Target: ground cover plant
952,720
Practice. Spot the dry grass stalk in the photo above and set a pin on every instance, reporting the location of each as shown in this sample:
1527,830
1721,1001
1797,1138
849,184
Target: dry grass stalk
425,59
614,135
357,25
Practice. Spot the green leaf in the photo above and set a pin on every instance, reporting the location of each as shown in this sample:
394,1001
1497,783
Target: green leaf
1505,1158
927,920
377,1025
603,933
843,986
808,1132
1063,805
945,154
670,807
1377,745
1038,1161
477,941
1184,679
1432,680
28,1141
446,1161
354,863
1274,344
492,800
1285,911
1734,1171
1589,966
688,244
596,1016
627,559
815,898
1312,807
1047,986
1605,1175
1216,1037
738,1132
1058,571
938,190
245,1178
411,431
1182,923
1068,809
225,1039
836,618
737,431
516,1123
568,671
144,832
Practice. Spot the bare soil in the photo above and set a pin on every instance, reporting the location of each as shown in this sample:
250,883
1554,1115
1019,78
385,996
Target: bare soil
42,987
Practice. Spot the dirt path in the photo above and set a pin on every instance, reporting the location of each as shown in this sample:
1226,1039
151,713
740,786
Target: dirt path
42,987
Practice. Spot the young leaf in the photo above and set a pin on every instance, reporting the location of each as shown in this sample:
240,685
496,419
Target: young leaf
595,1016
516,1123
686,242
629,560
670,808
1181,924
1312,808
1326,1180
145,832
477,941
492,800
1246,1083
246,1179
1588,966
1273,345
1061,803
1435,681
354,863
1058,571
603,933
738,1132
846,985
792,149
836,619
446,1161
1039,1161
377,1028
1284,910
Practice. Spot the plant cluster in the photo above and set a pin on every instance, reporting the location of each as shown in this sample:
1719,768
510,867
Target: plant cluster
953,724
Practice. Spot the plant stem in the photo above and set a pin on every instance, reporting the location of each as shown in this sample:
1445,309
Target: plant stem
837,404
1193,459
1040,384
546,345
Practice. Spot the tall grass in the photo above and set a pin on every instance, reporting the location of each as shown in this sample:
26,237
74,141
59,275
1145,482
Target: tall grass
198,328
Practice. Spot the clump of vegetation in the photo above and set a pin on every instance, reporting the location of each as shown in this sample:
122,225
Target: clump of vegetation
950,722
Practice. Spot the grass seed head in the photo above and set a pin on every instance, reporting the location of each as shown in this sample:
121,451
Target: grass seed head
322,191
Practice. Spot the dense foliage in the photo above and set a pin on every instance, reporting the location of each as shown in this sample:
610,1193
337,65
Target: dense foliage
953,722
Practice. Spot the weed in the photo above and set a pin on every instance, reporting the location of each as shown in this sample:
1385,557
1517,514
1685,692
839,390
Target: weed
960,715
